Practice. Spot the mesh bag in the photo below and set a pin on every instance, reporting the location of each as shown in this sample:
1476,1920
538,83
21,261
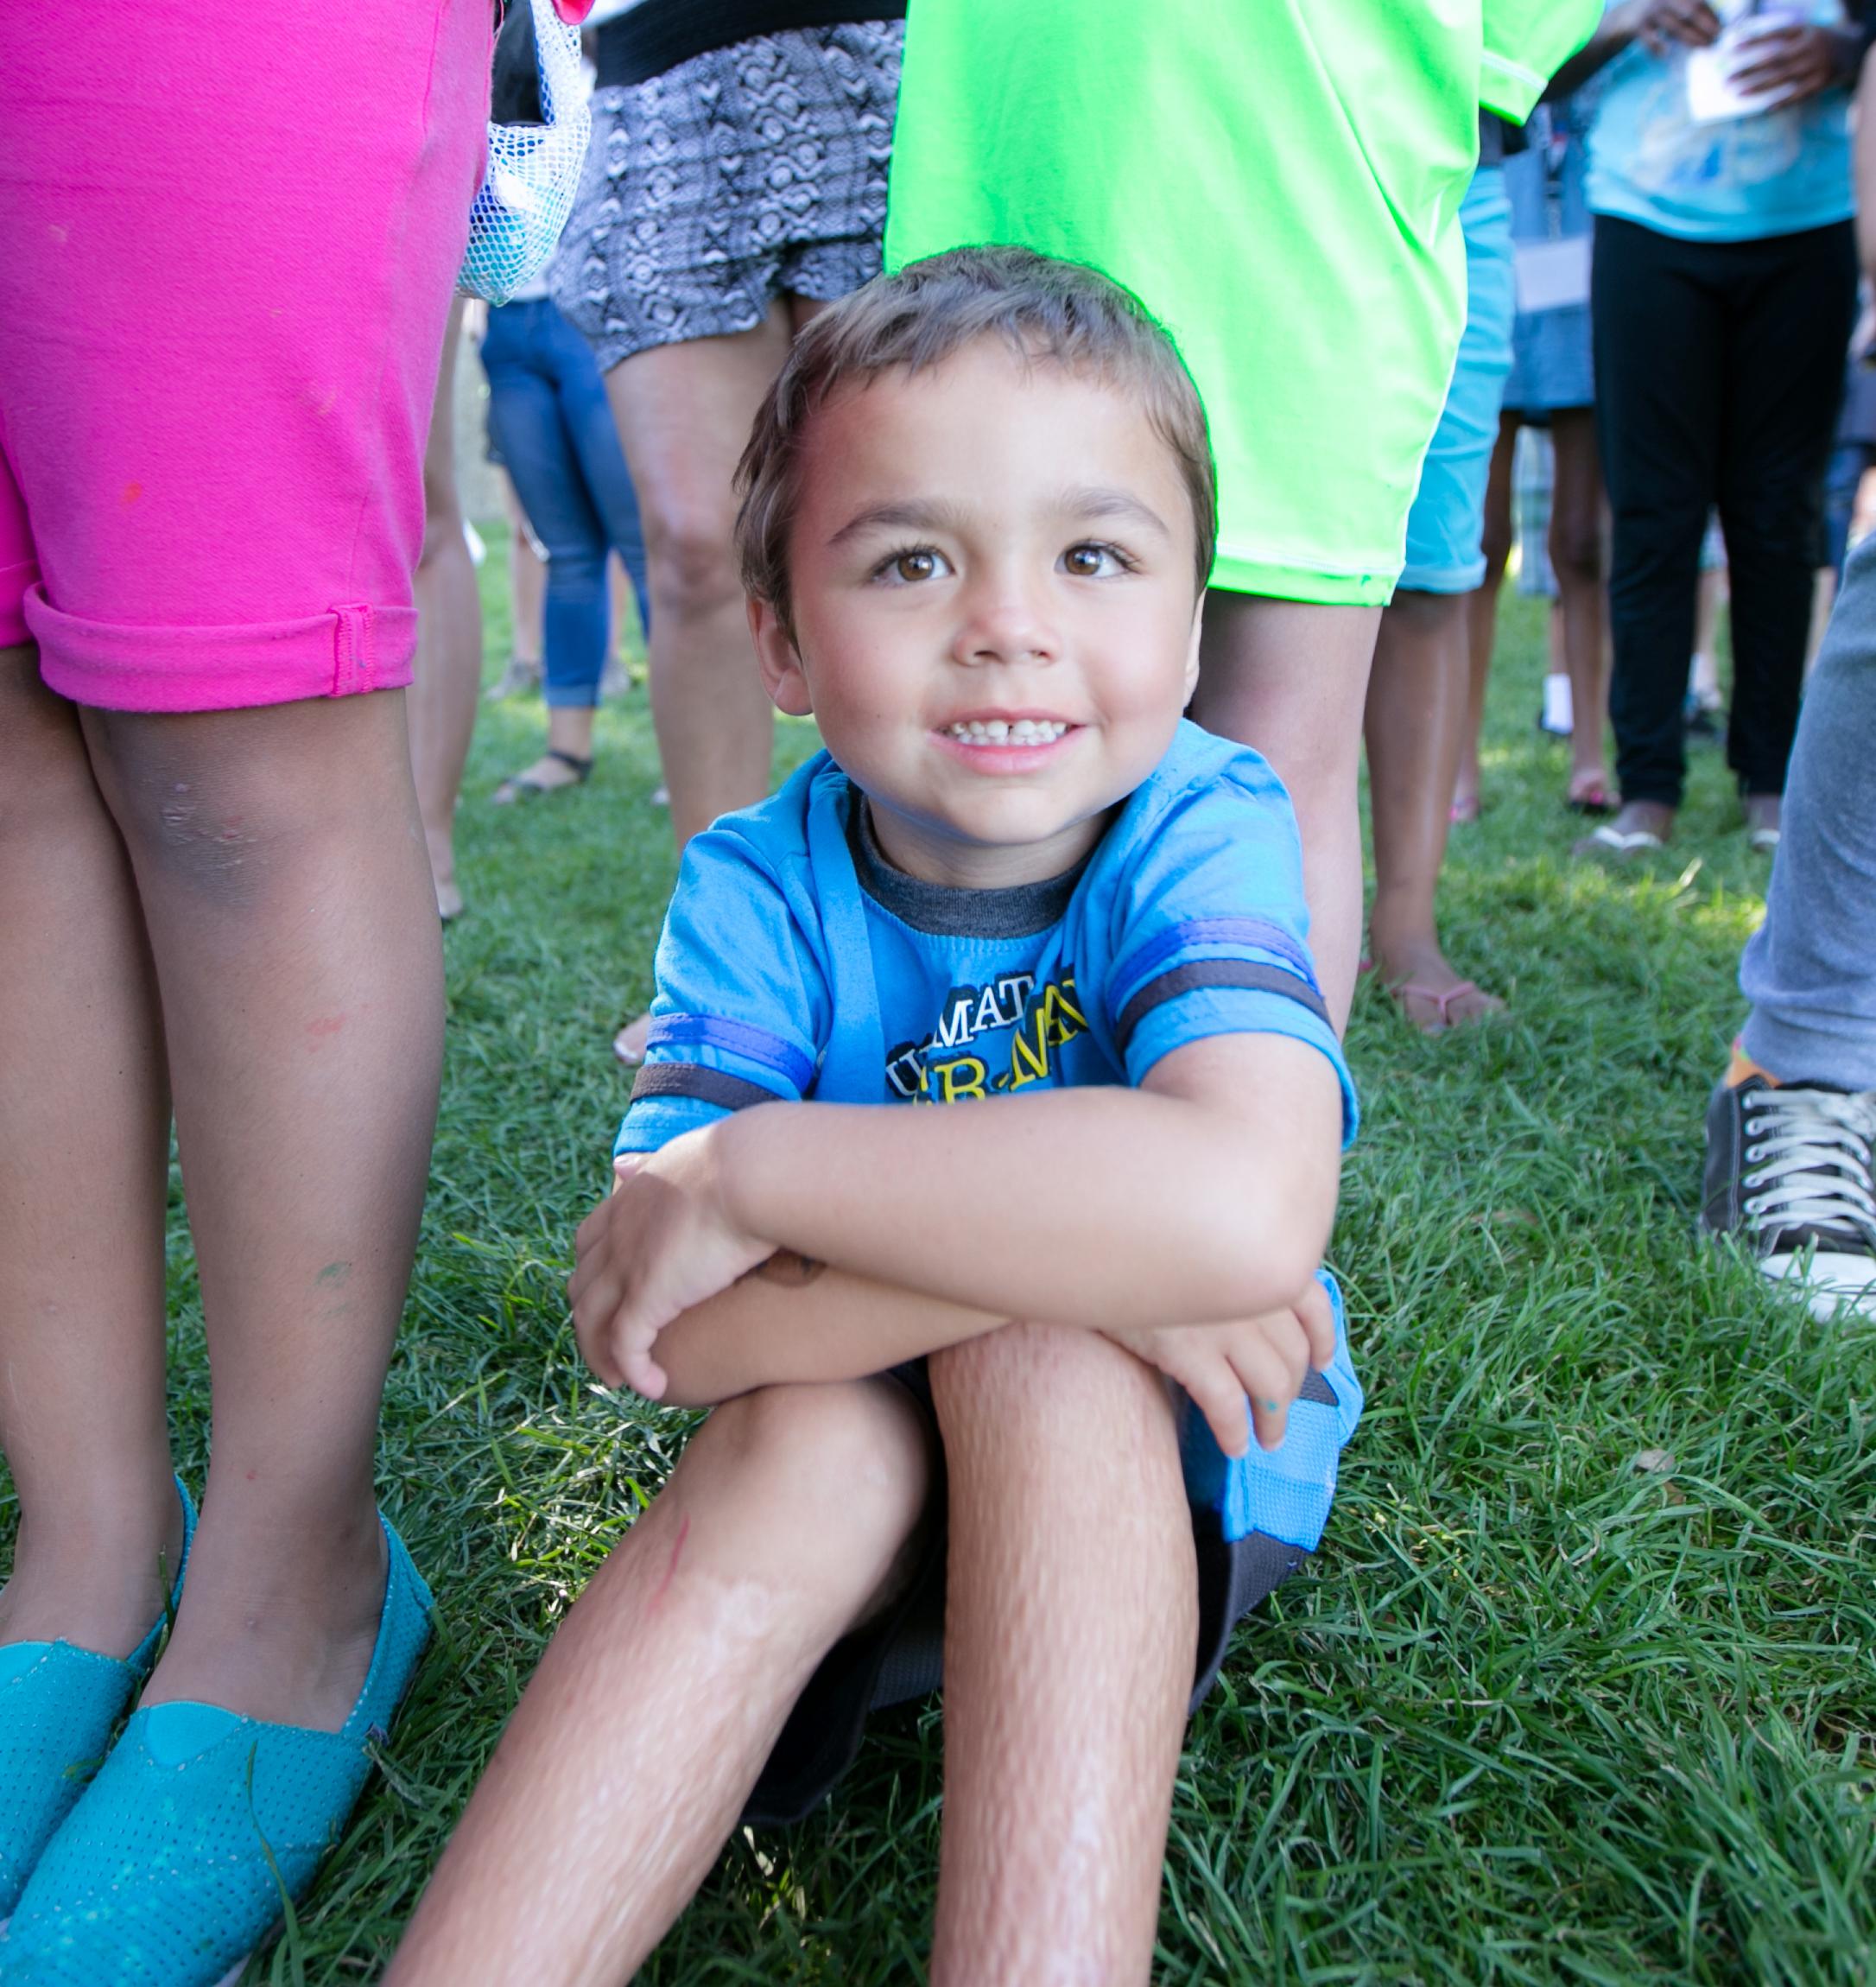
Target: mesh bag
527,187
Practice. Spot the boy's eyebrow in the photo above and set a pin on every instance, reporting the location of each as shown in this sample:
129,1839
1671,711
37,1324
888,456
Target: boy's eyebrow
1093,500
910,515
1088,501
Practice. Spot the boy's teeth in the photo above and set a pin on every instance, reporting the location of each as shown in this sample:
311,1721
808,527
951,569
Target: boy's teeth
999,731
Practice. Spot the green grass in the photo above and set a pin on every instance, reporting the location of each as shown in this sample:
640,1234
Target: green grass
1534,1714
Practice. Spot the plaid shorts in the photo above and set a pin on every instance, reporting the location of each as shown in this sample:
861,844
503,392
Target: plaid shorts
742,173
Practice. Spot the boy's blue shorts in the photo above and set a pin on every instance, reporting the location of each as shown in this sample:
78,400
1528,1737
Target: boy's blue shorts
1447,523
899,1654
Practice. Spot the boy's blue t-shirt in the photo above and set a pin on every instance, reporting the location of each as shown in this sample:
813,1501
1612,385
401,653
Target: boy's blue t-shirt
797,963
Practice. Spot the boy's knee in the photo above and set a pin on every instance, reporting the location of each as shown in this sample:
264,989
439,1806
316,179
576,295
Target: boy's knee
1039,1378
845,1461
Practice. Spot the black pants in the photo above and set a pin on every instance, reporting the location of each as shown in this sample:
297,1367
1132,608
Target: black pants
1719,369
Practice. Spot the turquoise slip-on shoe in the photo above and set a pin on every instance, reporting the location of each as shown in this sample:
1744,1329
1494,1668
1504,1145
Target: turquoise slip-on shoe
175,1864
59,1704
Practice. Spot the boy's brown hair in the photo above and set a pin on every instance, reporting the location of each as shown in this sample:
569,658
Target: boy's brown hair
1042,308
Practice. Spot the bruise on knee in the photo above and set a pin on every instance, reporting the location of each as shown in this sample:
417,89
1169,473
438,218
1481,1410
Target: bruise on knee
199,817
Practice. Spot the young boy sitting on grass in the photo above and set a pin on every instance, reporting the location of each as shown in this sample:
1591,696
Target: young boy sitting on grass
976,527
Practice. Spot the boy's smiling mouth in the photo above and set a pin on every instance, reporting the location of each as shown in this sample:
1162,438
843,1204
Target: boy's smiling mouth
1008,731
1006,742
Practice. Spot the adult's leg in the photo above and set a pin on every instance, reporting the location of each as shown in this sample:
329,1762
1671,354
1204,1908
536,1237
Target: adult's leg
84,1167
1809,970
1071,1624
1657,423
279,859
1290,678
1415,725
684,413
1482,610
1577,559
448,667
1784,379
640,1735
528,418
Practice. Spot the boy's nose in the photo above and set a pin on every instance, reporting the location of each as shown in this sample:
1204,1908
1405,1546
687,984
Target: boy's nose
1007,623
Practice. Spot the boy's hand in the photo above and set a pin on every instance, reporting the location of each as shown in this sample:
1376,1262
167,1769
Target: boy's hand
1262,1361
662,1242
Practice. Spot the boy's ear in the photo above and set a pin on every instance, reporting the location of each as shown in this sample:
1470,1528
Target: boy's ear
780,660
1191,654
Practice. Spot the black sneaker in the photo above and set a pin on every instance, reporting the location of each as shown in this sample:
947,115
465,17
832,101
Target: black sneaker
1789,1174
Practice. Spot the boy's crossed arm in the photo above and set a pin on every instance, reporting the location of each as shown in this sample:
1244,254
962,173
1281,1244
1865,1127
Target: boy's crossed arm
1185,1218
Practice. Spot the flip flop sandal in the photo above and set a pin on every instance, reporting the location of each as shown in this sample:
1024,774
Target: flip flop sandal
523,786
1622,841
1594,799
1400,992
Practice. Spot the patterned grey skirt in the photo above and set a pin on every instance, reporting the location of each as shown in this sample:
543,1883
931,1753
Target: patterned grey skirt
740,175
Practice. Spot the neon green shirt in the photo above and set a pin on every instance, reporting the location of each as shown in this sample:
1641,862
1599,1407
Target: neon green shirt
1279,180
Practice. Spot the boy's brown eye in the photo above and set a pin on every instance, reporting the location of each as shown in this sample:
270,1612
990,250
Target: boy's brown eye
1084,561
916,565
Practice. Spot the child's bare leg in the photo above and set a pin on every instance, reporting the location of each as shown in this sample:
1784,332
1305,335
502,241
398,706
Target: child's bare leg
1288,678
281,869
447,681
84,1164
639,1737
1415,722
1071,1626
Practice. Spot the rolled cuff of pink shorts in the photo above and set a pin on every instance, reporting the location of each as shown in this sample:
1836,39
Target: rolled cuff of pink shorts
343,652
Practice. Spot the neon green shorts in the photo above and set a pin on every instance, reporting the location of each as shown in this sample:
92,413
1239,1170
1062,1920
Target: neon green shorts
1279,181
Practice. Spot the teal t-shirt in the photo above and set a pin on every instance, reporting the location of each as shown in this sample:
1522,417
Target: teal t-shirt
1737,179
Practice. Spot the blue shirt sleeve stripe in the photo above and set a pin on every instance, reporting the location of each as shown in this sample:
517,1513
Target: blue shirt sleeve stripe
1249,974
735,1038
698,1080
1193,933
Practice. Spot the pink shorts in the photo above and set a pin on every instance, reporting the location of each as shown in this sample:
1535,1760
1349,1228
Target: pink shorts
229,236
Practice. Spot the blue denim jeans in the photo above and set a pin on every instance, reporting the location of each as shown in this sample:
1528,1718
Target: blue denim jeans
1809,971
549,418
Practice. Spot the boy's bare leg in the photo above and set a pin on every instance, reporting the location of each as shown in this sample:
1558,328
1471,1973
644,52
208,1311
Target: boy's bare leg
1071,1626
639,1737
1290,677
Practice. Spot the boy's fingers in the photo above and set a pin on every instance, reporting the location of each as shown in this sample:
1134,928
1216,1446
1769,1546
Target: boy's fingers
1214,1389
1269,1382
1318,1317
643,1374
1282,1338
1270,1420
